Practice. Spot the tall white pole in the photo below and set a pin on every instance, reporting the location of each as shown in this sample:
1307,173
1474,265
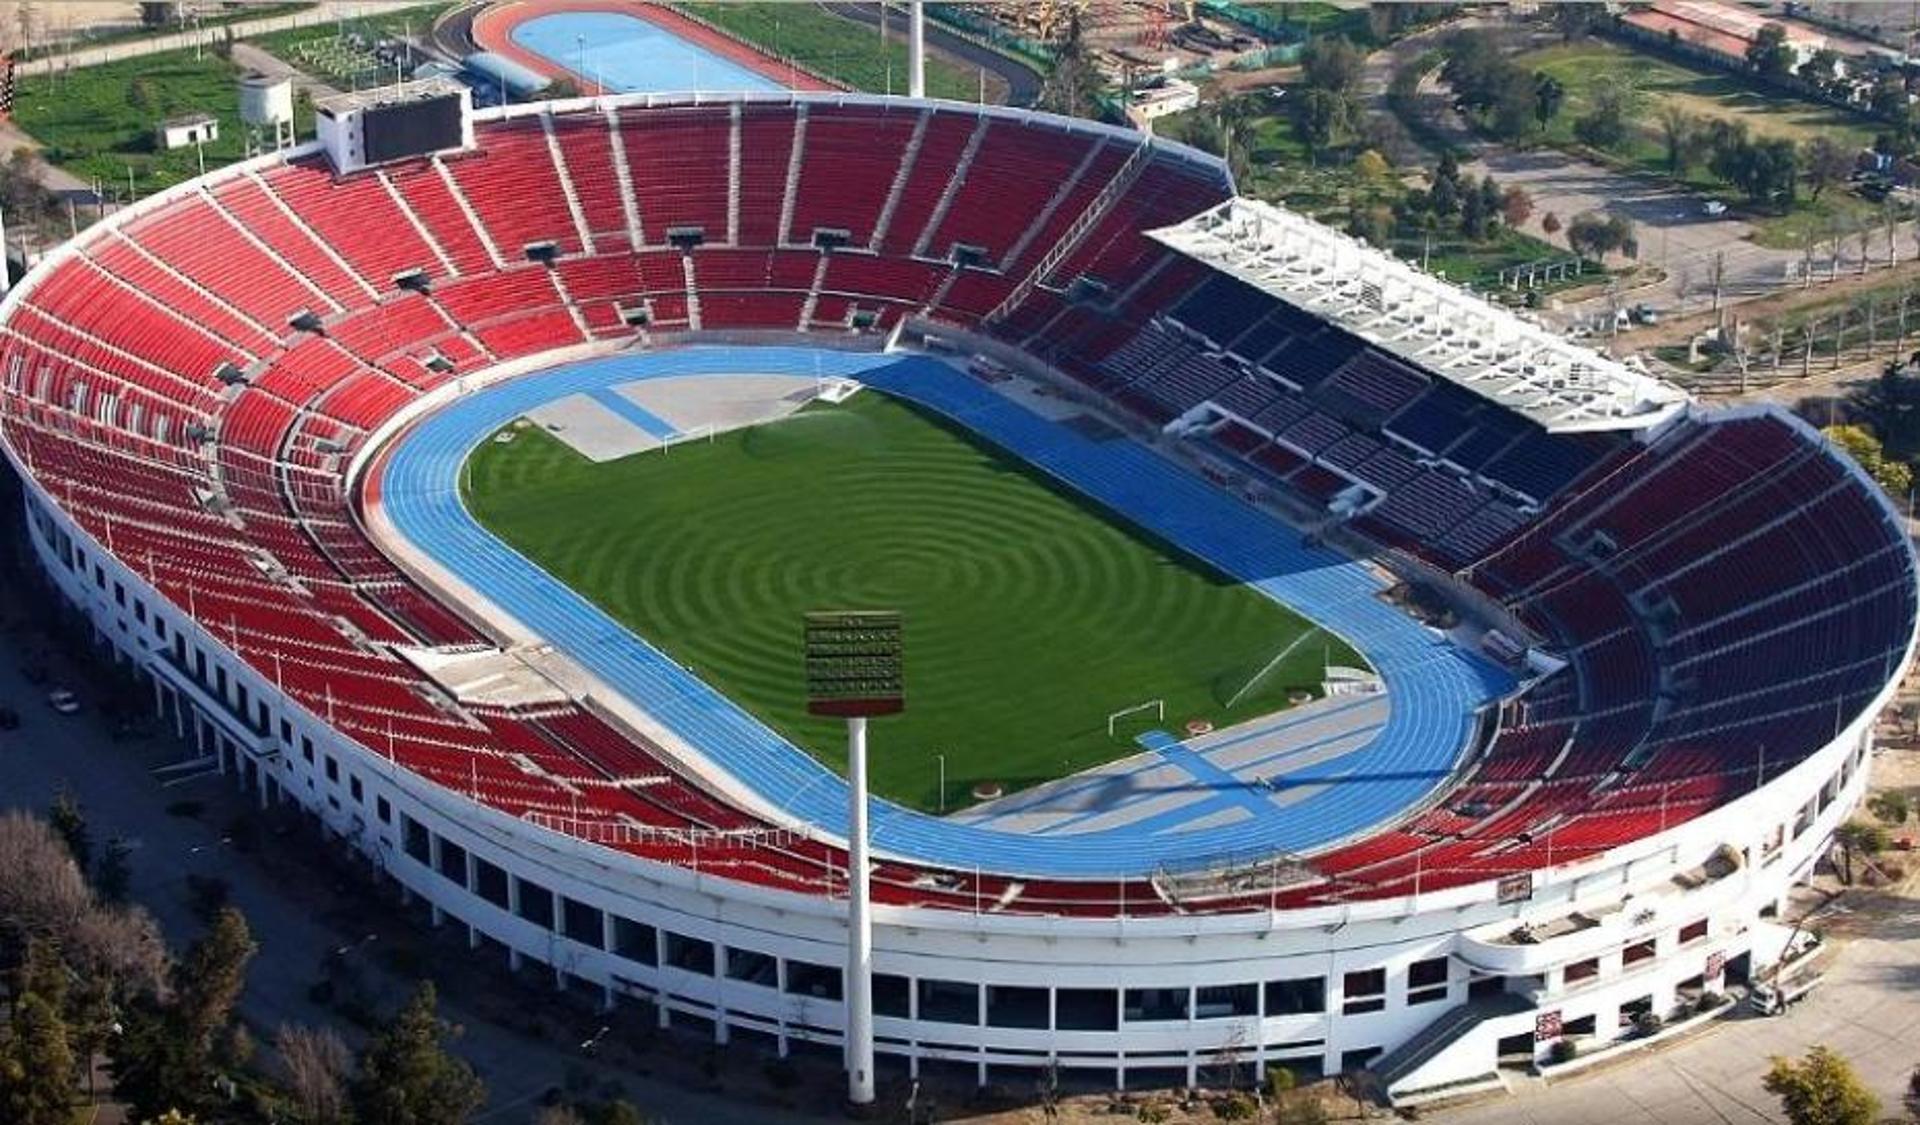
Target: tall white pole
859,988
6,271
917,49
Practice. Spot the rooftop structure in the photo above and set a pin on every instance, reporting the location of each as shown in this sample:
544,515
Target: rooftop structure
1437,326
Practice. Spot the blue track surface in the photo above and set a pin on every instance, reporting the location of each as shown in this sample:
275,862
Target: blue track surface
628,54
1434,687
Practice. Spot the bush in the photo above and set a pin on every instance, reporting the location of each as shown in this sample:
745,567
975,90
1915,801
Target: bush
1646,1023
1153,1113
1237,1106
1708,1002
1563,1051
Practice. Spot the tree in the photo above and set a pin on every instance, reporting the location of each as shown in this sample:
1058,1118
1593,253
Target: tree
317,1063
1548,96
36,1065
1893,807
1371,167
1550,223
1821,1089
112,874
1614,101
1769,53
211,976
1679,133
154,1067
407,1077
155,14
1322,119
67,819
1825,163
1859,836
1896,477
1474,213
1516,206
1331,63
1822,68
1074,85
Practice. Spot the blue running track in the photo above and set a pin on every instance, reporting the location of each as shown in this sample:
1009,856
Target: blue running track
1434,687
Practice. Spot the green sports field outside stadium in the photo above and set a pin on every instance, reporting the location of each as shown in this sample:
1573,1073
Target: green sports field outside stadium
1030,617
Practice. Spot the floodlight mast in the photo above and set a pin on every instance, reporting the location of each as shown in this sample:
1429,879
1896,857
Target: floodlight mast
853,672
859,922
917,49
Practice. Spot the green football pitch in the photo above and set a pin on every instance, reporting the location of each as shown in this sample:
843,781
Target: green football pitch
1030,616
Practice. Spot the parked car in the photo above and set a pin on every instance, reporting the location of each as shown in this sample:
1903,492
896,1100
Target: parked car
1774,999
63,701
1713,207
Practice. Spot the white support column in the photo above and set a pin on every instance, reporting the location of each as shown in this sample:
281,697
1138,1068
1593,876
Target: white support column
917,49
859,990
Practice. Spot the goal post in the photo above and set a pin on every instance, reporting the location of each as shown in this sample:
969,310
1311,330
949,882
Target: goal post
1157,706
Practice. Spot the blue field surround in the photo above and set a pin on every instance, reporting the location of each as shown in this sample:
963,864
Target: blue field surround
1435,688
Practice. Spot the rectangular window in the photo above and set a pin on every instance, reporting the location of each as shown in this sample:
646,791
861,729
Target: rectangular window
1016,1007
354,790
490,882
453,862
1154,1005
1427,981
306,748
383,810
536,904
752,967
950,1001
583,923
892,996
690,954
822,982
1693,931
1637,952
1364,991
635,941
1225,1001
1583,970
418,841
1297,996
1087,1009
333,769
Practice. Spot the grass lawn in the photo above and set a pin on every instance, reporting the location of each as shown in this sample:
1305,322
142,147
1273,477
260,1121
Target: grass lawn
98,121
1029,617
1705,95
840,49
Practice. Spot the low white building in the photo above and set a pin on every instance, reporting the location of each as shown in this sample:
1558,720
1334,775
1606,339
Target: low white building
187,130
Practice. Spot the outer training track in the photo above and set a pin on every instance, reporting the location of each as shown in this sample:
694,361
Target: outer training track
492,30
1435,687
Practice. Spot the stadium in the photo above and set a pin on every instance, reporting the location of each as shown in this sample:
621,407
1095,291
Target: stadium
1577,677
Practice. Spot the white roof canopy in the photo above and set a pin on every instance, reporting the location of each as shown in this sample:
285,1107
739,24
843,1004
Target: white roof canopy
1439,327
